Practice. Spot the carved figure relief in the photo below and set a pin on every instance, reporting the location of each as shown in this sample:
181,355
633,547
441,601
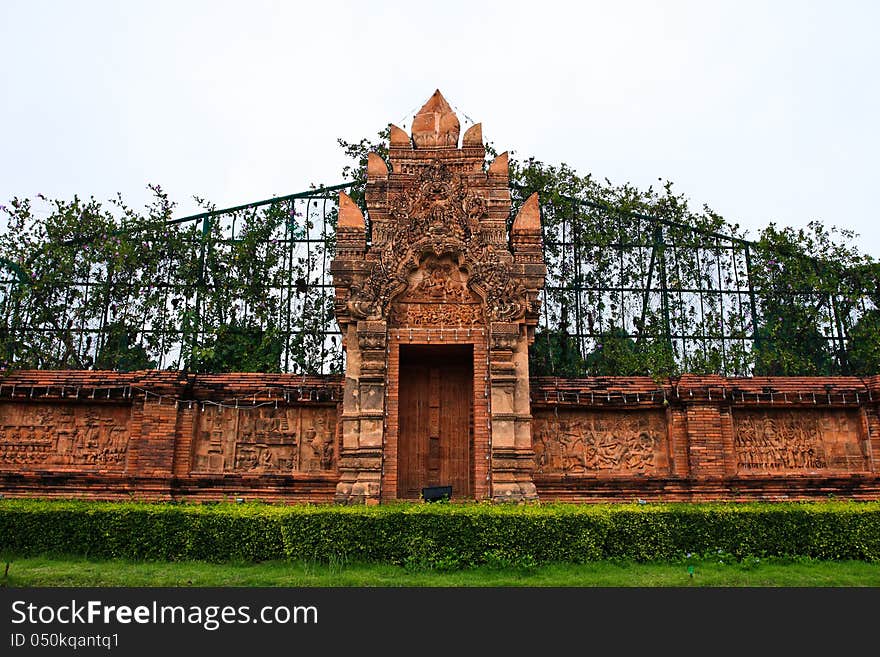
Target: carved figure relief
88,437
265,440
577,442
807,439
437,294
439,215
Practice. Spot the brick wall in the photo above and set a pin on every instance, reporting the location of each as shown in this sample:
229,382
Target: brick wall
164,435
724,438
108,435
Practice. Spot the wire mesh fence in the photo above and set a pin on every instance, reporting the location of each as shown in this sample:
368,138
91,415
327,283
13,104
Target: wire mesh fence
629,293
249,289
246,288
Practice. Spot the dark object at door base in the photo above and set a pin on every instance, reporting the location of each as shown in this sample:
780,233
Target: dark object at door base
436,493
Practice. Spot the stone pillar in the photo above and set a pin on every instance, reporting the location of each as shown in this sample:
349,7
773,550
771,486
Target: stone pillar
363,404
513,454
511,421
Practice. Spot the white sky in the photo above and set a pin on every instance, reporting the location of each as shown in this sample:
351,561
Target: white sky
764,110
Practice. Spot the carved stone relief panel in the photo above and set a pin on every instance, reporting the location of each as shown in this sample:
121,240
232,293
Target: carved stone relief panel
265,440
770,441
587,441
437,294
81,437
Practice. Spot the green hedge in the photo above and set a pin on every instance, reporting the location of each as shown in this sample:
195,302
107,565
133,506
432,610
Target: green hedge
440,535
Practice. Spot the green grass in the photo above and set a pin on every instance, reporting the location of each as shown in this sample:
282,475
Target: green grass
722,572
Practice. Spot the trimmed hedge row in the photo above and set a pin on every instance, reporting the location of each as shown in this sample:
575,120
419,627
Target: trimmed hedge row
440,535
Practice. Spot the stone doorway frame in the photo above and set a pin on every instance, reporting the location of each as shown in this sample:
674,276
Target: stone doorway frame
481,438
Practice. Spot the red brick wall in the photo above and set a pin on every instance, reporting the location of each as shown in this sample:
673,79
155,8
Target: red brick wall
620,438
727,438
159,413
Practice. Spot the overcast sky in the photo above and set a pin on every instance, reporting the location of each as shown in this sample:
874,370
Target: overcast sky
767,111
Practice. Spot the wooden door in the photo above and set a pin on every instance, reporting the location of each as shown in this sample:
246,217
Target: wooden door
435,419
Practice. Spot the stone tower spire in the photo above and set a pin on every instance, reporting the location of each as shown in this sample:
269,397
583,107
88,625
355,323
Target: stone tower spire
435,125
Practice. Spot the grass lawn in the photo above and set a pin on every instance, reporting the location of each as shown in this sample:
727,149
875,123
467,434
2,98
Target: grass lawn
723,572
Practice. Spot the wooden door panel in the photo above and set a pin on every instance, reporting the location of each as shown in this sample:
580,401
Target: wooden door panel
435,419
455,418
414,419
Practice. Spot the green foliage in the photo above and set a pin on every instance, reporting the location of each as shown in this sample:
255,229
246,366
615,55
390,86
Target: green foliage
356,172
120,350
638,283
123,253
555,353
642,273
234,348
104,287
443,536
810,289
864,347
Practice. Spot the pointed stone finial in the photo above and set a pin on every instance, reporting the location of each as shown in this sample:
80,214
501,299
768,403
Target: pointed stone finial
529,215
399,139
436,125
473,136
350,215
499,165
376,166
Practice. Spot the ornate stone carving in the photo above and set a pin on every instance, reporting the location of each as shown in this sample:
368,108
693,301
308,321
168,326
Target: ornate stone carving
439,280
437,294
438,258
87,437
575,443
435,125
265,440
807,439
435,315
371,340
439,215
505,341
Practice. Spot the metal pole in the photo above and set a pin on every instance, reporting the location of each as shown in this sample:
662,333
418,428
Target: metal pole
756,339
197,324
660,246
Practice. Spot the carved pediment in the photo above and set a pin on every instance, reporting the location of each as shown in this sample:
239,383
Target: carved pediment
438,280
437,294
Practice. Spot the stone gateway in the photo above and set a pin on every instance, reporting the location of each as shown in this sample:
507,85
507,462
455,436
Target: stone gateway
437,314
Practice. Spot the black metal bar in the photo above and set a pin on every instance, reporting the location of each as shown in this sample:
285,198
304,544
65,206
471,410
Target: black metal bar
312,193
647,290
664,290
842,359
756,336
